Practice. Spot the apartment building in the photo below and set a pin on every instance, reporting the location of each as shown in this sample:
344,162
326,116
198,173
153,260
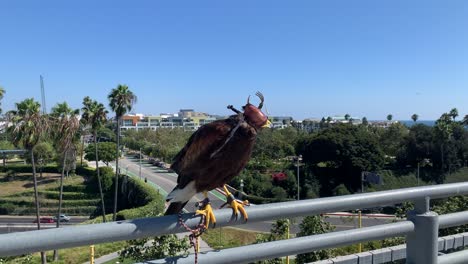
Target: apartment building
188,120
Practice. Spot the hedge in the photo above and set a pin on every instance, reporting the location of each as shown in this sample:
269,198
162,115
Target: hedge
142,199
29,201
25,168
68,195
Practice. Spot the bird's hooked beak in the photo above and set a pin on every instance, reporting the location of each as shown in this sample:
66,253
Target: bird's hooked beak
267,124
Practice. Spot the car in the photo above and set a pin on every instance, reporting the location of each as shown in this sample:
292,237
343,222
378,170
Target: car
63,218
44,220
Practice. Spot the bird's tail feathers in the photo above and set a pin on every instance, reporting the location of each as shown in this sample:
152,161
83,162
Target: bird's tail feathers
175,208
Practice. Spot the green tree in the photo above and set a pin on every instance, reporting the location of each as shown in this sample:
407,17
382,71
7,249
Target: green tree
66,125
346,117
364,121
389,117
106,152
415,117
6,145
453,113
44,153
279,230
121,100
275,143
94,115
28,125
105,134
314,225
416,146
155,248
339,154
465,120
442,134
392,137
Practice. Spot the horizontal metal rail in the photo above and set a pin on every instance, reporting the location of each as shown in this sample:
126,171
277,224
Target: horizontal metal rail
268,250
385,255
460,257
300,245
453,219
42,240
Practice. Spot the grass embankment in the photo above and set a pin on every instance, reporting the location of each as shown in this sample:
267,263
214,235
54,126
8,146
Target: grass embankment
17,195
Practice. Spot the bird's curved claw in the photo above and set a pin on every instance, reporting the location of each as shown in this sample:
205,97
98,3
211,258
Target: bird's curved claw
206,210
237,207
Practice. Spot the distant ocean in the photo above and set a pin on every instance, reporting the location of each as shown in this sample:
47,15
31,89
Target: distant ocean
411,122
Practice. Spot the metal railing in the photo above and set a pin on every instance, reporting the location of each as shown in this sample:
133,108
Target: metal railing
421,228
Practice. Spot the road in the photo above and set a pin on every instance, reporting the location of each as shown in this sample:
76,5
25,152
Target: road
166,181
10,224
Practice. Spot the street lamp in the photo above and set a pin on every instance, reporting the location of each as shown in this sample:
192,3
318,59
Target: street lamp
298,159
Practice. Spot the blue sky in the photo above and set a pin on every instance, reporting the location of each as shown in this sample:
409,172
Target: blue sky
309,58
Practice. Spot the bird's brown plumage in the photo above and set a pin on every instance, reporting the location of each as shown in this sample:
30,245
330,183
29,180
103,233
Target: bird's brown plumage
214,154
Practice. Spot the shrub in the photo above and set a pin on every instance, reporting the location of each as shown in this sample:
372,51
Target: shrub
7,208
22,168
85,171
10,175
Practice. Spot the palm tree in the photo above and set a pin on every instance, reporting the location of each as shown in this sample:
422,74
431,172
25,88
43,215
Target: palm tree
415,117
95,115
2,93
465,120
121,100
364,121
389,117
27,127
66,125
453,113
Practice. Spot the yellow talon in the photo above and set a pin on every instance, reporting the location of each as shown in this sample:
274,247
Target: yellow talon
235,205
207,211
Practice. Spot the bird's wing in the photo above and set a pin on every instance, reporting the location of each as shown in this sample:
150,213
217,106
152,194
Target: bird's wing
205,141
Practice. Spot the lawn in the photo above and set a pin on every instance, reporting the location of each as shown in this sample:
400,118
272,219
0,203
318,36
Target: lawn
228,237
22,182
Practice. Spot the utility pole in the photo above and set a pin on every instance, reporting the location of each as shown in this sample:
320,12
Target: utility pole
140,164
418,173
44,108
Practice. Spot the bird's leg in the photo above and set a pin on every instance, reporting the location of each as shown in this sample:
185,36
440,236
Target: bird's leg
206,210
235,205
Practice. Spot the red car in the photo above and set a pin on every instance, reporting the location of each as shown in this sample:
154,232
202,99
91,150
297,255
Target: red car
45,220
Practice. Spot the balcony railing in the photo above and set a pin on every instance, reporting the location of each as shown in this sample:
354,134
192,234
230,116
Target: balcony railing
421,229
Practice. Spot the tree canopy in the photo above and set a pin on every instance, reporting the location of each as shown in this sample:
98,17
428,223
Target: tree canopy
106,152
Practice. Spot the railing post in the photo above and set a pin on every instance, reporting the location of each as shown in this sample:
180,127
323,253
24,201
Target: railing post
422,244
